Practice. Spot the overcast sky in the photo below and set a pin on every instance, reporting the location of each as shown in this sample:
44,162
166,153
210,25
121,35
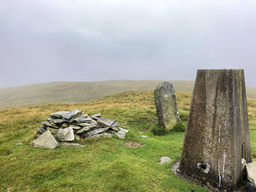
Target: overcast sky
93,40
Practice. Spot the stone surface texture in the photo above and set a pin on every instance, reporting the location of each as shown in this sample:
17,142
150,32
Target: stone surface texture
120,134
166,107
251,172
217,136
164,159
66,134
46,140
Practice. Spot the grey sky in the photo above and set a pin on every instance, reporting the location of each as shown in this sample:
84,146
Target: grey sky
82,40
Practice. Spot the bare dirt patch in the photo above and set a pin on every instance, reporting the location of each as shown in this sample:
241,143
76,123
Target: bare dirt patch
133,144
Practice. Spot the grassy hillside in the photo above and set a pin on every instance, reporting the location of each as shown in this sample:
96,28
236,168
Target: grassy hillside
105,164
72,92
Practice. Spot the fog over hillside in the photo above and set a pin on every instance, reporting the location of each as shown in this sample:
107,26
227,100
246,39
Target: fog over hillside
70,92
61,40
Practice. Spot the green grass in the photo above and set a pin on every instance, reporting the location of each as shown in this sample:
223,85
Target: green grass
105,164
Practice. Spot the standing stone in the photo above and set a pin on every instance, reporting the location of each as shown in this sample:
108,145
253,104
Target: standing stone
217,137
166,107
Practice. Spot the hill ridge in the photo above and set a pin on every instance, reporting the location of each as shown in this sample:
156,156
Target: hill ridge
70,92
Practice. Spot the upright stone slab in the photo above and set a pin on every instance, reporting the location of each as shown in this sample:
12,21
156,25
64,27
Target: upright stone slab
217,137
166,107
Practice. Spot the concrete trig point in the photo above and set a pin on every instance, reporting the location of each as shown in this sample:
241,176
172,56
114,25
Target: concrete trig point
217,137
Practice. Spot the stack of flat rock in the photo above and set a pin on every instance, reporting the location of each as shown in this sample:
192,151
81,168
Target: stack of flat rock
67,126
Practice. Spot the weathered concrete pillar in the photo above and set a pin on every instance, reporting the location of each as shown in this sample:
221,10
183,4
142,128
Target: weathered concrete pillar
217,136
166,107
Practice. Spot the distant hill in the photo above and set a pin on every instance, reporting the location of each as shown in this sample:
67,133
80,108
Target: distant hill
71,92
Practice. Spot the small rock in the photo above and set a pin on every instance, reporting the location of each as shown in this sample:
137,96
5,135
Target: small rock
144,136
251,172
124,130
164,159
46,140
66,134
18,144
71,144
121,134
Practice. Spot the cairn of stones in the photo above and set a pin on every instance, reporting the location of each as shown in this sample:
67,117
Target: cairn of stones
66,126
217,139
166,107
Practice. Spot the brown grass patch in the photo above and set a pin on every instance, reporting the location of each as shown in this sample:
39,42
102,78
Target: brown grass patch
133,144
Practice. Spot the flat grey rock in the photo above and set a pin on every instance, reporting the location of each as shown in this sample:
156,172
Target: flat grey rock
59,114
72,114
251,172
74,127
120,134
83,124
107,122
124,130
96,116
57,121
114,129
46,140
164,159
49,124
83,130
97,131
66,134
87,128
41,129
83,119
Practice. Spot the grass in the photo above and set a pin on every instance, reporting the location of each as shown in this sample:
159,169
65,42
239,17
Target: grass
105,164
70,92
